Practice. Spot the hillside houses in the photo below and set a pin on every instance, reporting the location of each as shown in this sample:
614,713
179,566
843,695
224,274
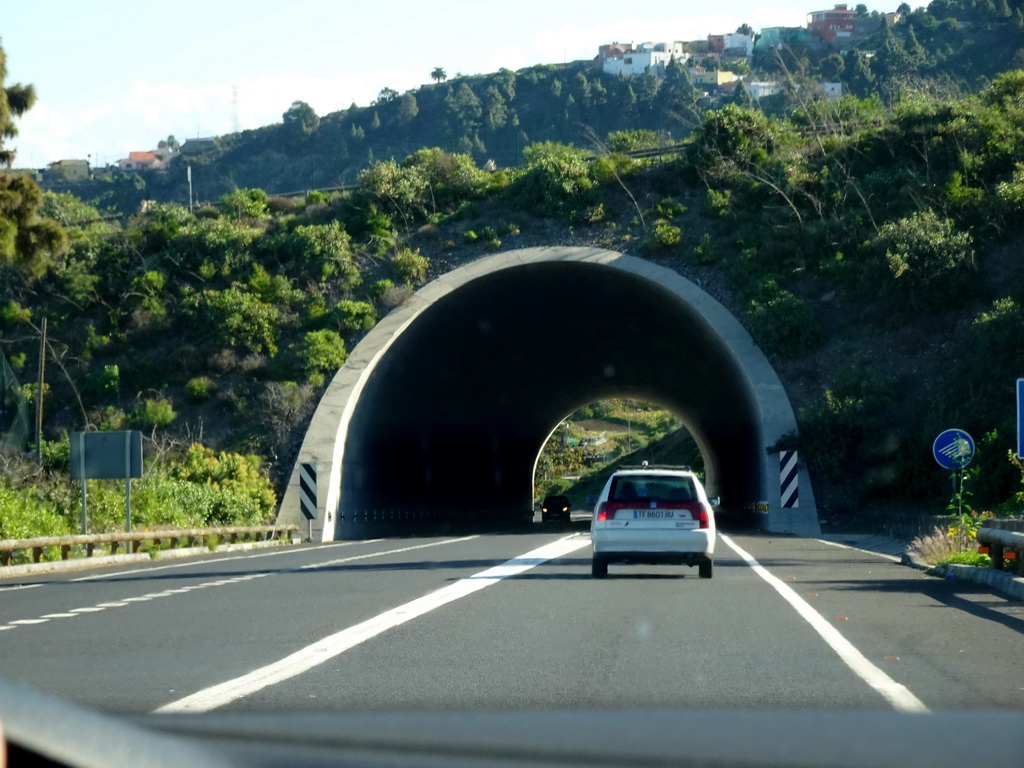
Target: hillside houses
833,28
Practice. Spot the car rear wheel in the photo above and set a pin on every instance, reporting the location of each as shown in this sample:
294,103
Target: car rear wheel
706,570
598,567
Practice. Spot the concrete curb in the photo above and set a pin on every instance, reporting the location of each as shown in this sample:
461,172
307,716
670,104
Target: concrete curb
915,562
77,564
1001,581
1005,583
84,563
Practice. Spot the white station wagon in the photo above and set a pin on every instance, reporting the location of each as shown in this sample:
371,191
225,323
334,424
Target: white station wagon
653,514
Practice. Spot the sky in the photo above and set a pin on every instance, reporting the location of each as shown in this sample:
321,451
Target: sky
114,76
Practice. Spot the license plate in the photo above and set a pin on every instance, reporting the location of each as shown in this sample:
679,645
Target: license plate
655,514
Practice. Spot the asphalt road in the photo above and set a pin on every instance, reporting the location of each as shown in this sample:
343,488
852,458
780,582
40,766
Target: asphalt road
431,623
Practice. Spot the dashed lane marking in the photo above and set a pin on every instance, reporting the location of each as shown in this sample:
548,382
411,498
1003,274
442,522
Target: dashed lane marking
223,582
329,647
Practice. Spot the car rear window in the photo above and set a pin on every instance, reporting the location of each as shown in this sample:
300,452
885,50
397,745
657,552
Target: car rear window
653,488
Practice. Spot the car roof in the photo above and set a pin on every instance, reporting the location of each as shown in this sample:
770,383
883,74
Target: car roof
663,471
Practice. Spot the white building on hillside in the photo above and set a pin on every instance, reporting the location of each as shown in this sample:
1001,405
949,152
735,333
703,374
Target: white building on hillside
643,57
758,90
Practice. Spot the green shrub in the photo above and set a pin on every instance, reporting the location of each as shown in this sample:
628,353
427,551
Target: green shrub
322,351
12,313
355,316
324,249
704,253
379,288
23,515
932,264
245,204
410,266
854,408
243,494
663,235
967,558
154,413
200,388
106,382
112,419
237,317
556,183
781,322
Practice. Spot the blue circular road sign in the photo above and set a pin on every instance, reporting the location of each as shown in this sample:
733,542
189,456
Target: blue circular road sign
953,449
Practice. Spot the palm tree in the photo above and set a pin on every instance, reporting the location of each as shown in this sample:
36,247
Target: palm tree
439,75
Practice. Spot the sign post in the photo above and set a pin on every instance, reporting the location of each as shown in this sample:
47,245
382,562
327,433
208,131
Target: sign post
106,455
1020,418
953,449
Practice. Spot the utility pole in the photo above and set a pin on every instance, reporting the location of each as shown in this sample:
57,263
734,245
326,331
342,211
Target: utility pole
39,393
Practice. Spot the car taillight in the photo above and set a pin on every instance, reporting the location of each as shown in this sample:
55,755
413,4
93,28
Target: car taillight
702,516
604,513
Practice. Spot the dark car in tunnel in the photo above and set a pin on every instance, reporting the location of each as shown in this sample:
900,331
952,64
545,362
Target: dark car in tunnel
555,508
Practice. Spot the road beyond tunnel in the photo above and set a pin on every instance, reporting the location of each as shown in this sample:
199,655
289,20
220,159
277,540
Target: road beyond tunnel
441,411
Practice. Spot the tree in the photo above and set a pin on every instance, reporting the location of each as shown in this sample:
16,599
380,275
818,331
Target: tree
462,111
26,240
831,68
300,119
678,96
170,143
18,99
745,29
740,97
386,95
857,76
494,109
438,75
407,108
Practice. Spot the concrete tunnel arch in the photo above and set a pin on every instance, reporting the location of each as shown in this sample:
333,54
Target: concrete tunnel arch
440,411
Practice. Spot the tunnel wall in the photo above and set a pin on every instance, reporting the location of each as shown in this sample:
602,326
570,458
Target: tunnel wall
443,403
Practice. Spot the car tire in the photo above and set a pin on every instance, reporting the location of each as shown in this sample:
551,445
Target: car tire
598,567
706,570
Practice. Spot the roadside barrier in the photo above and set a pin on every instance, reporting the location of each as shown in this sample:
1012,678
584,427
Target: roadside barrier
1004,541
93,544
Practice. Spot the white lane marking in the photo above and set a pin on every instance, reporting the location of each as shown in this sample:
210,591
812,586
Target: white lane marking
18,586
222,582
326,649
895,693
858,549
6,626
59,615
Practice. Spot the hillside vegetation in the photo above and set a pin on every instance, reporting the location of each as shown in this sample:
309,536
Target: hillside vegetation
952,47
873,251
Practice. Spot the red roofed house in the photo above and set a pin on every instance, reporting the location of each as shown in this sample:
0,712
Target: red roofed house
140,161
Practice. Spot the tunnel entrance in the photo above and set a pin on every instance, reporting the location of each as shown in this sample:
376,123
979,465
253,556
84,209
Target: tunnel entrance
442,410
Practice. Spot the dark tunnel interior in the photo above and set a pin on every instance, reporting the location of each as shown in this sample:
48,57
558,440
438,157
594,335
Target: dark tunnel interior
453,416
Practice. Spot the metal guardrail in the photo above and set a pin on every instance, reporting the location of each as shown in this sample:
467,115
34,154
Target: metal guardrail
134,541
1005,541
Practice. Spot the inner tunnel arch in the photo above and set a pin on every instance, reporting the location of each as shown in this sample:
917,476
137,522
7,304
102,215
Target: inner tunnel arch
441,410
